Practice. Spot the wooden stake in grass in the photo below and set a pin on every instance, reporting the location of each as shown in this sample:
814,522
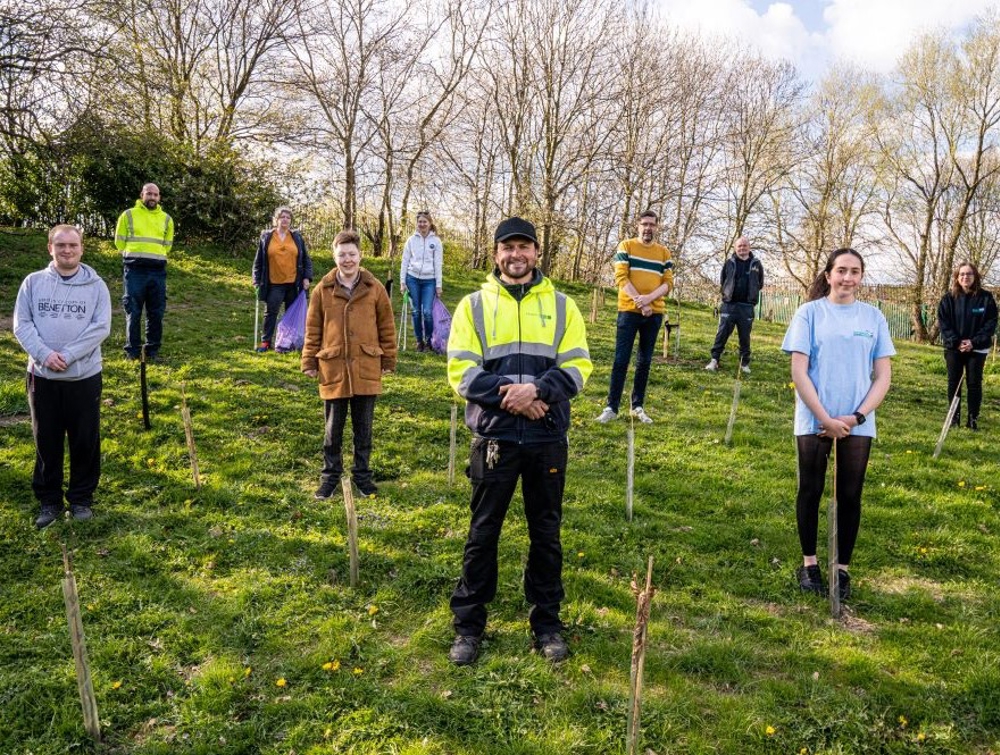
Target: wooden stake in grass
630,468
352,527
401,334
594,304
452,442
677,327
91,722
189,434
143,389
833,552
737,387
949,417
644,600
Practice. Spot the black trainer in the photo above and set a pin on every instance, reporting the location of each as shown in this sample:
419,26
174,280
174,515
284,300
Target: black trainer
49,513
367,487
465,649
324,491
843,584
973,423
552,646
81,511
810,579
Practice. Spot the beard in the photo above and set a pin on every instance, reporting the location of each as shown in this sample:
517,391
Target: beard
151,204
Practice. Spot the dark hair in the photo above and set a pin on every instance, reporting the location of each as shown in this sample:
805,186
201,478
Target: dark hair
426,214
821,286
649,214
977,280
347,237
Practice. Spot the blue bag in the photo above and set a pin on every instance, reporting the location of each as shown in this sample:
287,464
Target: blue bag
291,331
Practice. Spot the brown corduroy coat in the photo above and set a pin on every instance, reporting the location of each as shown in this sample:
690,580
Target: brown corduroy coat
349,341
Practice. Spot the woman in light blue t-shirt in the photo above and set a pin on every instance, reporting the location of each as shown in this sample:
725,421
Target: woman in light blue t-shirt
840,351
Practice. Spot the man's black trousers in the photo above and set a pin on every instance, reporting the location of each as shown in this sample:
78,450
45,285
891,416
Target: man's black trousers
494,469
62,409
739,316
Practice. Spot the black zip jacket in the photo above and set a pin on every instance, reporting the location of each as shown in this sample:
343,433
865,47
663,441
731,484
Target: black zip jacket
755,283
967,317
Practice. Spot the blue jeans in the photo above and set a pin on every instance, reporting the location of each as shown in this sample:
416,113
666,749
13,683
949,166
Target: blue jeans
144,287
422,292
630,323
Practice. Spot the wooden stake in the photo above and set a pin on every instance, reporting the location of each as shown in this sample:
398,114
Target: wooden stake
189,434
677,355
737,387
593,304
352,527
949,417
644,600
832,549
630,470
143,389
452,443
88,701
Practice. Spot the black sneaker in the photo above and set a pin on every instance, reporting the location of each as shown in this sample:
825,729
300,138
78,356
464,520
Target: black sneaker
81,511
843,584
810,579
552,646
973,423
465,649
324,491
50,512
367,487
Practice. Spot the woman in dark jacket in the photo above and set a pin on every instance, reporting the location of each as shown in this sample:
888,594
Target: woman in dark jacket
281,269
967,318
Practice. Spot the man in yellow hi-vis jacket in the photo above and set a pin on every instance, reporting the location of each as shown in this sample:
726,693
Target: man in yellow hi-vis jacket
517,354
144,235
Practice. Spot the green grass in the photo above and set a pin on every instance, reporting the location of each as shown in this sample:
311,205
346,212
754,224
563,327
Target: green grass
196,602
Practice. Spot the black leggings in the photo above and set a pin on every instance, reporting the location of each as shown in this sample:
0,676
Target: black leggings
972,364
852,462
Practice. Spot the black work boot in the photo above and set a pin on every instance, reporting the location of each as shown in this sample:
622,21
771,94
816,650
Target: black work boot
552,646
465,649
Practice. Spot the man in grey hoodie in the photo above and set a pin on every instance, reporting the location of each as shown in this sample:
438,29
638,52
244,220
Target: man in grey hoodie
62,315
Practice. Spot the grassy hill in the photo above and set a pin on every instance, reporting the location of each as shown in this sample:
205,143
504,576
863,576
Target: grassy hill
221,621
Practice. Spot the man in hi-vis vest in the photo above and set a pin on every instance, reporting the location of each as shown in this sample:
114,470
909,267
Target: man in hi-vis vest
144,235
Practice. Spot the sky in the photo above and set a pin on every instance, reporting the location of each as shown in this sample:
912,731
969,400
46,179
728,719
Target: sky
814,34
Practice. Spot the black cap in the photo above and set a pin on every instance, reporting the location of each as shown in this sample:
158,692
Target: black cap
515,228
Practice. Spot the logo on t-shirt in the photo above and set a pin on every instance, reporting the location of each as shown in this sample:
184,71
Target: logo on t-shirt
864,334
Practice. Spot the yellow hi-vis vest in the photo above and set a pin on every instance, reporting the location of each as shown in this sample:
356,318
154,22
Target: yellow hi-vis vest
142,233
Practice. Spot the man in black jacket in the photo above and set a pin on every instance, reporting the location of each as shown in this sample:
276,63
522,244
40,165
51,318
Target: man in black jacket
741,281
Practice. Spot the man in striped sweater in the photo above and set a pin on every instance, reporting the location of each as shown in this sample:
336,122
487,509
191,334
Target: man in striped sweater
644,275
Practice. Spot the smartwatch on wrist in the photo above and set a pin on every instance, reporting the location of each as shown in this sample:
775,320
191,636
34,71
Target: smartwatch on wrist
860,418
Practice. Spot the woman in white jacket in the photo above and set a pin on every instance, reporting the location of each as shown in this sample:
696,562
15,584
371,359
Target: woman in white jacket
420,270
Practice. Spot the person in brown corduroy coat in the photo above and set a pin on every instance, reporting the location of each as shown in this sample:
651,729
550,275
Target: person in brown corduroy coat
350,343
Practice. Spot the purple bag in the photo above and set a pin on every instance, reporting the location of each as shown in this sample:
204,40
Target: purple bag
291,331
442,326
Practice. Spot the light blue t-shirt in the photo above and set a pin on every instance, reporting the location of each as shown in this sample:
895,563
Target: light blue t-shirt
842,342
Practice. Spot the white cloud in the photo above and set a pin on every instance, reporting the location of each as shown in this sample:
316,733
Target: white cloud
875,33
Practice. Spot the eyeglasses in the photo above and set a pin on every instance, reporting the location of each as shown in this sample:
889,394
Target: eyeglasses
966,275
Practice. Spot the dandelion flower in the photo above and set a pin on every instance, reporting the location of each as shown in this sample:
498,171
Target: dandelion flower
921,737
804,751
770,730
246,671
903,722
581,554
961,483
358,671
980,487
372,610
281,682
117,684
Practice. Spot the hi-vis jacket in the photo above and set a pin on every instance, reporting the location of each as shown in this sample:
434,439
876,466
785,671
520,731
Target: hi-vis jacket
144,236
533,335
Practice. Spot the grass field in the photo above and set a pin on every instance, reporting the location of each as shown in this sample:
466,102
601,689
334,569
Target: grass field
221,621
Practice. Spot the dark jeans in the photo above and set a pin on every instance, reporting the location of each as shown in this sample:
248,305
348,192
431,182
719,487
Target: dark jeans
630,323
62,409
422,293
277,294
542,470
144,287
972,364
852,463
739,316
362,410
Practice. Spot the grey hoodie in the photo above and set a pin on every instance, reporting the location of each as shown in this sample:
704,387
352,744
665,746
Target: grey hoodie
72,317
